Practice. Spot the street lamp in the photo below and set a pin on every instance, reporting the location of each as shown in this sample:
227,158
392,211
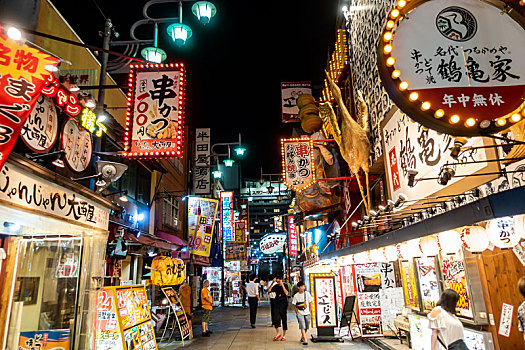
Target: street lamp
204,10
179,32
153,54
217,174
229,162
240,151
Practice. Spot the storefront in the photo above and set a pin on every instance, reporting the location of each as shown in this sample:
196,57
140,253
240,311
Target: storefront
55,234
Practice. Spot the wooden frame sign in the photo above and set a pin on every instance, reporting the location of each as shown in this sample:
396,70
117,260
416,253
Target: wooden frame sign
324,311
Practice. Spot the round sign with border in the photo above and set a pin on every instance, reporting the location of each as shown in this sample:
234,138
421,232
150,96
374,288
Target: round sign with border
40,131
77,145
455,66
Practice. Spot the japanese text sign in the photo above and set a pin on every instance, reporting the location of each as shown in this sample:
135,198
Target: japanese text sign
298,163
89,121
40,131
455,277
61,96
201,219
77,145
155,114
505,321
292,235
227,215
167,271
235,251
178,309
201,177
22,77
45,340
289,94
457,66
324,311
272,243
368,281
241,227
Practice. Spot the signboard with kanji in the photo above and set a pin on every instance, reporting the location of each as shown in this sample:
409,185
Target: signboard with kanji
455,66
202,170
23,71
235,251
155,111
201,219
324,311
289,94
40,131
241,227
227,215
298,163
292,235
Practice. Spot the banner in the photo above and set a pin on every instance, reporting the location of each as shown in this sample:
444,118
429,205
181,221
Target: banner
201,177
235,251
241,227
201,218
155,114
298,163
22,77
167,271
45,340
227,215
292,235
289,94
368,282
324,311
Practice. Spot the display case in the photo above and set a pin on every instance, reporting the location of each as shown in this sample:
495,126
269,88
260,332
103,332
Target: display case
410,284
427,276
214,276
477,340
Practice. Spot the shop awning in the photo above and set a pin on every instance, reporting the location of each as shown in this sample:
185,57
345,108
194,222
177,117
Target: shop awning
171,238
507,203
152,241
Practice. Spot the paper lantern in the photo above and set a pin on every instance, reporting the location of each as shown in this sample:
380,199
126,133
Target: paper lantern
474,238
449,241
519,225
502,234
361,258
390,253
376,255
166,271
404,251
429,245
414,247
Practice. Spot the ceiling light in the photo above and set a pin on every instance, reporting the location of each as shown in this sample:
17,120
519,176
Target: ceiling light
58,162
90,104
100,183
124,197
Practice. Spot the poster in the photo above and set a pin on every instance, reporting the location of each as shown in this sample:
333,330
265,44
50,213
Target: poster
201,218
202,176
156,111
235,251
392,302
227,216
40,131
420,333
408,276
298,163
22,76
241,227
428,282
59,339
505,321
292,235
108,333
324,312
178,309
388,276
368,282
454,276
78,146
289,94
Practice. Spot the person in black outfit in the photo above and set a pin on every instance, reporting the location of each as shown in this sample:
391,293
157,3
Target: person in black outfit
243,292
252,289
280,308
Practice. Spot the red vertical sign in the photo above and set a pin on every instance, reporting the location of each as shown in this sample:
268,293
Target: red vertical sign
394,170
292,235
22,75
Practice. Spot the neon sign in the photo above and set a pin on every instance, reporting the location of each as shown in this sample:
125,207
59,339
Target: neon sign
88,120
67,101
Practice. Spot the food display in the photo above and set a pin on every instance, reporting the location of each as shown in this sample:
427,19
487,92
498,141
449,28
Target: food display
368,282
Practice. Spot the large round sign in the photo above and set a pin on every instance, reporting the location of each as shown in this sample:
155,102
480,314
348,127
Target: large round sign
41,128
502,234
78,146
272,242
455,65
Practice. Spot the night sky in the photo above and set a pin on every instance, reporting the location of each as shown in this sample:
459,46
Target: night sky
235,63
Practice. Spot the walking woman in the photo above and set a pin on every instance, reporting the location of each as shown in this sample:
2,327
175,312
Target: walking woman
279,308
447,329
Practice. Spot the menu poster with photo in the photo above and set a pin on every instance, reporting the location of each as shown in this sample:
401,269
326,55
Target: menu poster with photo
420,332
428,282
392,302
368,282
178,309
408,276
454,276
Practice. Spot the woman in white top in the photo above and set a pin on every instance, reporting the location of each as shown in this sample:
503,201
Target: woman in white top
447,329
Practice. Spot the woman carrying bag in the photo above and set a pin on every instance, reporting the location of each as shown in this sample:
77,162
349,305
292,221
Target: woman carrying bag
447,329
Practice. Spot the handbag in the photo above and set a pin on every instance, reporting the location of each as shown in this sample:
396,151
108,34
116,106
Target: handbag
456,345
301,305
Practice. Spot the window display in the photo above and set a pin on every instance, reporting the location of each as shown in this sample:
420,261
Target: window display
454,277
428,282
408,276
214,276
368,282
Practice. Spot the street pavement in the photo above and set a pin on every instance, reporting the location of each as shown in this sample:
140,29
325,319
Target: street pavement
232,331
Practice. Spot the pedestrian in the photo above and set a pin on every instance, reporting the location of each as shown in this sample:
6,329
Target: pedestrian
260,284
447,329
207,306
287,284
295,289
252,290
302,301
280,307
521,309
243,293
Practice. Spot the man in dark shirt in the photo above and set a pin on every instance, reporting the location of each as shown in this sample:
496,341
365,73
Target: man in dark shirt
280,308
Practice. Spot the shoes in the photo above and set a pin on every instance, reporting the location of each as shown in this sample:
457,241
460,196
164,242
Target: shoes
302,340
205,334
283,339
253,326
209,332
277,337
305,342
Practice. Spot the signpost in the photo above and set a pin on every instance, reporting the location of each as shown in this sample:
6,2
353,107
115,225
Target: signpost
180,314
324,311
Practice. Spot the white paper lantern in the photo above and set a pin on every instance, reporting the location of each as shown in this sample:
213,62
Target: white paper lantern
519,225
361,258
414,247
474,238
449,241
404,251
390,253
502,234
376,255
429,245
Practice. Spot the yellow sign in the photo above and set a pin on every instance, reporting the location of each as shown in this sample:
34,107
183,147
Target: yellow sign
166,271
408,276
241,228
89,122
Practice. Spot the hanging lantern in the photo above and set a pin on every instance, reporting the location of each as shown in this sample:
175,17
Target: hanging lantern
179,33
361,258
449,241
404,251
474,238
204,11
429,245
414,247
502,234
390,253
519,225
376,255
153,54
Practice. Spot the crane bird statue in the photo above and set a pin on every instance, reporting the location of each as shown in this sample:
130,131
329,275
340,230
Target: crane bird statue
352,138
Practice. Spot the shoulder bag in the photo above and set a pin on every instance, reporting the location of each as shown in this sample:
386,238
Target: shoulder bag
456,345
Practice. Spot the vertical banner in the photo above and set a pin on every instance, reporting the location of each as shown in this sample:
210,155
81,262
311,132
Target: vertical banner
241,227
22,77
180,313
155,114
292,236
298,163
289,94
201,219
227,216
368,282
324,313
201,176
408,277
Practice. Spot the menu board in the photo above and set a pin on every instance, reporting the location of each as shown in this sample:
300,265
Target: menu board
420,332
408,276
123,320
368,282
428,282
454,277
392,302
324,312
178,309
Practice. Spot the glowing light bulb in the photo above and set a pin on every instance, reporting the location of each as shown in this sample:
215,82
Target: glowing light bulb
387,36
403,85
501,122
390,61
396,74
515,118
387,48
413,96
454,119
439,113
390,24
470,122
425,105
394,13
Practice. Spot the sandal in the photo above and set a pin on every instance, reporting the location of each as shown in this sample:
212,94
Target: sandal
283,339
277,337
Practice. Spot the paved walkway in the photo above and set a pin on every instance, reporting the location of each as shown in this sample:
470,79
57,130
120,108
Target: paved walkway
232,331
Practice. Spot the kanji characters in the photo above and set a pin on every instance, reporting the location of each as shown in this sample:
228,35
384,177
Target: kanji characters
20,88
501,69
162,89
449,70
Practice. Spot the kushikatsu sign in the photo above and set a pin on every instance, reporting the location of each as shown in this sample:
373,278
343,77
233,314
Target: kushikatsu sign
455,66
298,163
155,111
